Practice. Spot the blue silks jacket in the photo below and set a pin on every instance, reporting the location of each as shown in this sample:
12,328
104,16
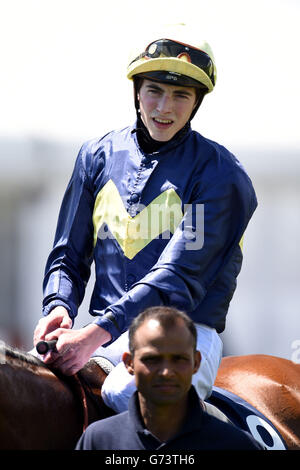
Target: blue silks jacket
163,229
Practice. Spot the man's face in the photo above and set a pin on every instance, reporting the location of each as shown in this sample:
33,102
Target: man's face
163,363
165,109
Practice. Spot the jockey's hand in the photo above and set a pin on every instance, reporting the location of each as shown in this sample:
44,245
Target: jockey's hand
57,318
74,347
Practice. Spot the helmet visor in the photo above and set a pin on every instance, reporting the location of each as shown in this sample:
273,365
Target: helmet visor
168,48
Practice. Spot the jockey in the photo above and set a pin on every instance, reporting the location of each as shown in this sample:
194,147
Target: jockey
161,210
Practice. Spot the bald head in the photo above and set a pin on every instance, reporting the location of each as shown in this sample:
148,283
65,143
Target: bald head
164,317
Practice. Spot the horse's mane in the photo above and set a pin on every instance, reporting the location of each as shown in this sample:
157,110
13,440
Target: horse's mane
19,355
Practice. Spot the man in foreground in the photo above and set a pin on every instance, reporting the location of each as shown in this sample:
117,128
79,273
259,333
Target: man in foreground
165,412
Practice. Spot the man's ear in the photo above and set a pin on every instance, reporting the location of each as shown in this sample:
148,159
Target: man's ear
127,359
197,361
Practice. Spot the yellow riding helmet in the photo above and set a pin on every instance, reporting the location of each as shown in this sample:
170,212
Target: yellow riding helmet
176,59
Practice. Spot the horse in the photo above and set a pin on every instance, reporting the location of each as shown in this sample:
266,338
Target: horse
42,410
271,385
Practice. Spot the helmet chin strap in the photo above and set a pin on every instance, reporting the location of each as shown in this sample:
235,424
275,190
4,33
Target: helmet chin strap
137,84
197,106
150,145
147,143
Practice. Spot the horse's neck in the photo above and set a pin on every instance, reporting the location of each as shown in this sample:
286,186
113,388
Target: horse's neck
37,409
21,373
27,376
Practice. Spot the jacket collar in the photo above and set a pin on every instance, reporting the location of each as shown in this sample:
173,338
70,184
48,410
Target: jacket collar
192,422
153,147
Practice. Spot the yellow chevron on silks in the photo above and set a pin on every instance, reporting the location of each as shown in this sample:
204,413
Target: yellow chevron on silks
242,243
162,215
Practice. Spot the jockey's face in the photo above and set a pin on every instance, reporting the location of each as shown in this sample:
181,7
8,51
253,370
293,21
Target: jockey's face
165,109
163,363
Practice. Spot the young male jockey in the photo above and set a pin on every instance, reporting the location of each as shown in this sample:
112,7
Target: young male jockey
161,210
